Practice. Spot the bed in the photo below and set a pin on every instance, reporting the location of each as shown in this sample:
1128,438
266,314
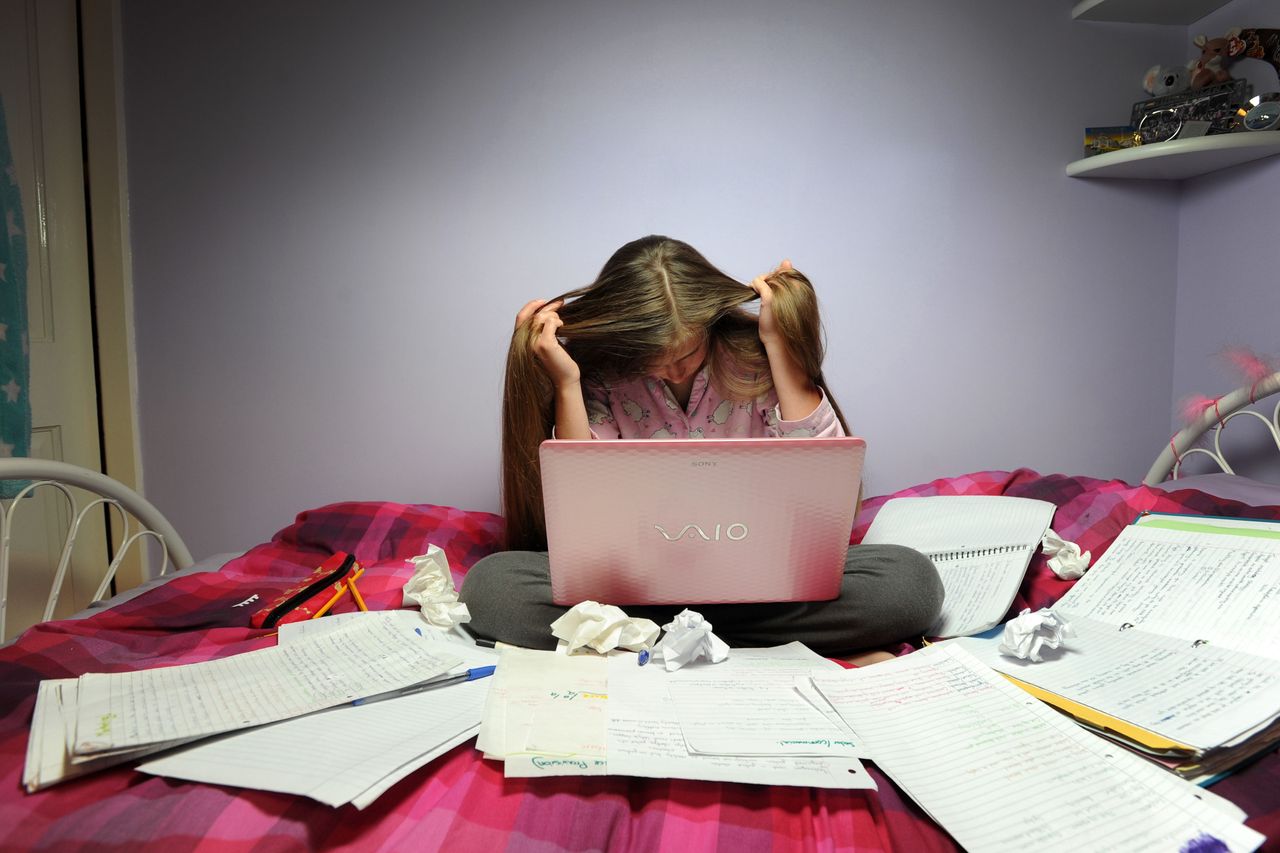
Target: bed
461,801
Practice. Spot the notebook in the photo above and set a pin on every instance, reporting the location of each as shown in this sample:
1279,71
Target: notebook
1200,579
1176,646
981,545
716,521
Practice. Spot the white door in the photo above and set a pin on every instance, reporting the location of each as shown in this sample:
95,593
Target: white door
40,86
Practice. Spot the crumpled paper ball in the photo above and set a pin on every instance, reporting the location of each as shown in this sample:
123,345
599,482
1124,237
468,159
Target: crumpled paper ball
1065,558
688,638
432,589
601,627
1027,633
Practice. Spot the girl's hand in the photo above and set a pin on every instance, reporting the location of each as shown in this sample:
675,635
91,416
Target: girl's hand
551,355
768,328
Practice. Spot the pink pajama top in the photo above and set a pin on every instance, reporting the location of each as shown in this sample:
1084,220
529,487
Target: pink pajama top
645,408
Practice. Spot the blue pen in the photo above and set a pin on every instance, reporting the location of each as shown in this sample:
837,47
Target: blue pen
470,675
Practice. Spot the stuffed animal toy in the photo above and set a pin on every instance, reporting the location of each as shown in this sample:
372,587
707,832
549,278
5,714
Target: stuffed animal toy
1210,68
1255,43
1164,80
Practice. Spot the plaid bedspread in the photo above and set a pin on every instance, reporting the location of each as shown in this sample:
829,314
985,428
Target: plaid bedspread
460,801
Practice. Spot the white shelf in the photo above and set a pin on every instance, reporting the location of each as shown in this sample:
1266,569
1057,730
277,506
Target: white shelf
1180,158
1182,12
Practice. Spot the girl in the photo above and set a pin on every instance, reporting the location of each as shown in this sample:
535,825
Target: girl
659,346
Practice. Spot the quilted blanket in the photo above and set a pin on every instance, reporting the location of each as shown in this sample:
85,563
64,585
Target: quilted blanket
460,801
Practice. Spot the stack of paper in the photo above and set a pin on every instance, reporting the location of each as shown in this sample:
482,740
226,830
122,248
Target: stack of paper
1197,710
741,720
546,714
1177,646
1003,772
336,754
660,723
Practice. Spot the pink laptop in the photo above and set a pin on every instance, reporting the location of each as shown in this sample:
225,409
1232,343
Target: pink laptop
699,521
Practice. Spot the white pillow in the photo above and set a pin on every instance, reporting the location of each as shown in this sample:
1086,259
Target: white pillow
1230,486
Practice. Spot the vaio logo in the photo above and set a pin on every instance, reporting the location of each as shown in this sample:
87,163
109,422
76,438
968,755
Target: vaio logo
735,532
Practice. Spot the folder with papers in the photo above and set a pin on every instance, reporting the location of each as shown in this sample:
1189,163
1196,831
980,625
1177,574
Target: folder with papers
1177,650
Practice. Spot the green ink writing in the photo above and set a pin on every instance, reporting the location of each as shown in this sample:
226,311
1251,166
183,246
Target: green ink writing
104,723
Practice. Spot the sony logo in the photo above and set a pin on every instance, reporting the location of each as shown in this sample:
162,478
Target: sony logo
735,532
703,463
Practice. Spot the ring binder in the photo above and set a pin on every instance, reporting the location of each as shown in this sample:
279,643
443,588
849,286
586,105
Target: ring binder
1183,706
1163,569
973,553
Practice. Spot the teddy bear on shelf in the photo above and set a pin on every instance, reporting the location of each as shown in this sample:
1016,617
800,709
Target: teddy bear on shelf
1163,80
1209,68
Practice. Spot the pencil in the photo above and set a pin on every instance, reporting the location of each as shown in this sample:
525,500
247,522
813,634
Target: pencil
341,590
332,601
355,593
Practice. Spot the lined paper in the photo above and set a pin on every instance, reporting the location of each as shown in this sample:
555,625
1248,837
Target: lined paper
1218,587
364,658
336,755
1201,696
546,713
645,737
973,749
410,621
49,759
941,524
771,719
980,544
977,590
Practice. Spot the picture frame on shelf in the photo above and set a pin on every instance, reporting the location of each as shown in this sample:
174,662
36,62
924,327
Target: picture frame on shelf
1100,140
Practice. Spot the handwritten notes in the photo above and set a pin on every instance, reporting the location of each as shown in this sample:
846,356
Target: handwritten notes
981,545
546,713
767,719
49,759
647,737
1200,696
132,709
1219,585
976,589
409,621
967,745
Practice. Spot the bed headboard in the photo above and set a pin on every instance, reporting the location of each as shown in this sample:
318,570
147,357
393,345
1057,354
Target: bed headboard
1214,419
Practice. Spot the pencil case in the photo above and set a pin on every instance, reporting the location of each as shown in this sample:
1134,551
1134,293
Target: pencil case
302,600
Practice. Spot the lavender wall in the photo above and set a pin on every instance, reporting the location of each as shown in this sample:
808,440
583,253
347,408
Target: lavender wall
1227,267
336,213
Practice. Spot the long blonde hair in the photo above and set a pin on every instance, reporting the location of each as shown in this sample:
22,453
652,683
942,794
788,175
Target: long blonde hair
651,294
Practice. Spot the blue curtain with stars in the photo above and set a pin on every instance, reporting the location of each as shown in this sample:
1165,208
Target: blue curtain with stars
15,368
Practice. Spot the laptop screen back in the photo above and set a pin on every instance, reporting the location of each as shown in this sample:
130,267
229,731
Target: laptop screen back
699,521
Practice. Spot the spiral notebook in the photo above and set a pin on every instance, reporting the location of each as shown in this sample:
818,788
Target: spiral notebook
1198,578
981,544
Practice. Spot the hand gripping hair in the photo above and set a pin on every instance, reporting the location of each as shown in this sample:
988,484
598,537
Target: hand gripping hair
653,295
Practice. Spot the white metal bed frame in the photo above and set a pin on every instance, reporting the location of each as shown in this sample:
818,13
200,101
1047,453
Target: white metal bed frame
109,493
1169,462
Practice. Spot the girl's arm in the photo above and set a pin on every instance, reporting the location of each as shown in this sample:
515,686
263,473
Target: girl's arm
571,412
566,378
798,397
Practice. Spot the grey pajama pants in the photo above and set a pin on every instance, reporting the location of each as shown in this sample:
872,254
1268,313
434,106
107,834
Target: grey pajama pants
890,593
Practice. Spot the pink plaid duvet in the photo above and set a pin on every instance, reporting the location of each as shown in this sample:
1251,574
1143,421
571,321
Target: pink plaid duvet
461,802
